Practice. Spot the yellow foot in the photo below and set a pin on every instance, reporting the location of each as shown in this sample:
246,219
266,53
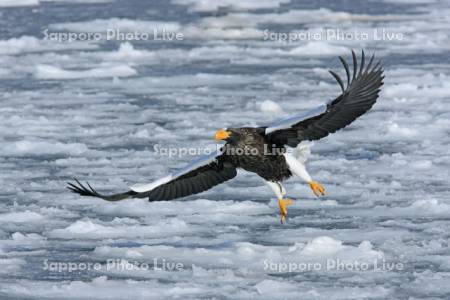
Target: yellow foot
284,203
317,188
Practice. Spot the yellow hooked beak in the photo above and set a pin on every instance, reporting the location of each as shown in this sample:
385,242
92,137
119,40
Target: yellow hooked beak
222,135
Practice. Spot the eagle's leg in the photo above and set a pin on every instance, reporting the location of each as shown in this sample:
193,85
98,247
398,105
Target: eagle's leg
283,203
297,167
317,188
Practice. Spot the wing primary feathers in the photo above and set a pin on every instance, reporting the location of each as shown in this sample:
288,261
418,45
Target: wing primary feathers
355,65
338,79
93,191
369,65
376,67
347,70
363,60
82,190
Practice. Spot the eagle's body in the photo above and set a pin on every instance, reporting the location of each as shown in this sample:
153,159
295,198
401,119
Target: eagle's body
254,153
263,150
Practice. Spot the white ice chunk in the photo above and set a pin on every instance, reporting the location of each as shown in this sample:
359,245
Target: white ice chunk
52,72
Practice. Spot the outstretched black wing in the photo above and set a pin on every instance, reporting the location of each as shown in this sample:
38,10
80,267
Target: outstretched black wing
357,98
199,176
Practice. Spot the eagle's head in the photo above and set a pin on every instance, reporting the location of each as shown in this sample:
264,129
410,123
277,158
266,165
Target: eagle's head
223,135
227,135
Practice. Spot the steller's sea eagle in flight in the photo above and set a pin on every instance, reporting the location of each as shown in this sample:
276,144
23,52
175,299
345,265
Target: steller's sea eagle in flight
257,149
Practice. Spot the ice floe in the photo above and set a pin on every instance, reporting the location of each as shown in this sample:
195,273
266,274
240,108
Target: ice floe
96,110
51,72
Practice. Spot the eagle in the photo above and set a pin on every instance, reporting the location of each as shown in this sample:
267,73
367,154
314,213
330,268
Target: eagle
263,150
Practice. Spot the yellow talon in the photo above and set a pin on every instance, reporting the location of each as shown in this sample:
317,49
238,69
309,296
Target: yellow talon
317,188
284,203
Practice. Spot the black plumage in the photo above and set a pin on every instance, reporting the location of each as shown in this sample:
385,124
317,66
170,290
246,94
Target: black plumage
260,150
250,150
194,182
357,98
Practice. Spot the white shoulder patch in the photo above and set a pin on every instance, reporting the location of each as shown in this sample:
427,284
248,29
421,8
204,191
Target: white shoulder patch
293,119
202,161
145,187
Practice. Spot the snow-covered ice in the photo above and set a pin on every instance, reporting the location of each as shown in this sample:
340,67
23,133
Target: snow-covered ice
97,110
